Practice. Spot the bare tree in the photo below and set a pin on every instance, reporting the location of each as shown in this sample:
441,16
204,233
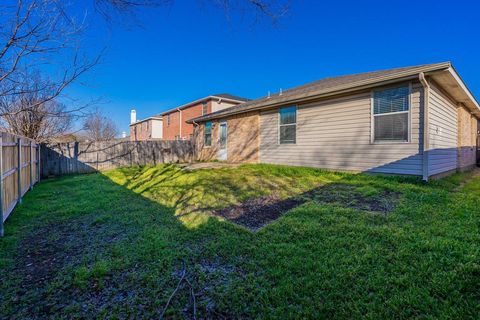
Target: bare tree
45,35
32,115
34,34
99,127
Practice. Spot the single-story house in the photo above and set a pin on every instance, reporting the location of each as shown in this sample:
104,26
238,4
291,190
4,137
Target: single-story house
419,120
175,125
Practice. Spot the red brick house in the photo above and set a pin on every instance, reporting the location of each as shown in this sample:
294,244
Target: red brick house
146,129
175,126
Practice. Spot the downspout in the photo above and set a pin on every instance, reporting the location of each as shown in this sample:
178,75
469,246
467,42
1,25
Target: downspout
426,127
180,111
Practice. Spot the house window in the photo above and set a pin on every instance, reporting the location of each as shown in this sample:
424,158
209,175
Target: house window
168,120
288,125
391,109
204,108
208,134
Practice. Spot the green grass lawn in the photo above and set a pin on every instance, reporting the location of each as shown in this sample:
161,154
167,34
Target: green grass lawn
117,245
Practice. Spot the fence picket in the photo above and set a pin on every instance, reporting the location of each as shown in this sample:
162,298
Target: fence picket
16,156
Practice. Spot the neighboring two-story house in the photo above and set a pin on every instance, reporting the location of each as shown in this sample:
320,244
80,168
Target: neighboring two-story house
150,128
175,126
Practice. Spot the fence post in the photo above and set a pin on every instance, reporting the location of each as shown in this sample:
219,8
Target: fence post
1,185
31,165
19,169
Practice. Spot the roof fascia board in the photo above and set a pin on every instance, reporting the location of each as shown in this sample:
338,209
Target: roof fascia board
464,87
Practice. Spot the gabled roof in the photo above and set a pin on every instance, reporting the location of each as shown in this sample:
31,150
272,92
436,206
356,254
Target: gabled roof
337,85
221,96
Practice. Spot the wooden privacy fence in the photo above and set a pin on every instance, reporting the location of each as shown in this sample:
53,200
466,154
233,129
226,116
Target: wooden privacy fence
85,157
19,171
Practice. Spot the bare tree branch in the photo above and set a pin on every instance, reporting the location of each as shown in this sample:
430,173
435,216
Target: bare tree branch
28,114
37,33
99,127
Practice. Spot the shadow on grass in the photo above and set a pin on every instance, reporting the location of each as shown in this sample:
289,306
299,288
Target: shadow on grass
114,247
86,246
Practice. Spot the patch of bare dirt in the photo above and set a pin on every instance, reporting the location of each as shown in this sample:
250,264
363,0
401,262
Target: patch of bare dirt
255,213
258,212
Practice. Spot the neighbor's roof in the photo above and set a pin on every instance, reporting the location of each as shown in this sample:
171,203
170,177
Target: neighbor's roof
222,96
337,85
157,117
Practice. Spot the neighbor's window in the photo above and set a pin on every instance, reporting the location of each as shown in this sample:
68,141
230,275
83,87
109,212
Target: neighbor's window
168,120
390,114
204,108
208,133
288,125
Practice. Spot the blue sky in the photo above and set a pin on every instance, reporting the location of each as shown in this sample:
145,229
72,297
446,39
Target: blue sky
190,50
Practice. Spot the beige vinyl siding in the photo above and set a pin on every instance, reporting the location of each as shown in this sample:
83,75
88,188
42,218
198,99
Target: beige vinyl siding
336,134
443,133
220,106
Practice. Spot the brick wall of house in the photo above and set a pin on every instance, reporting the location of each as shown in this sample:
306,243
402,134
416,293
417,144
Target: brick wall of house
190,113
171,127
141,131
243,137
172,132
202,152
467,136
243,133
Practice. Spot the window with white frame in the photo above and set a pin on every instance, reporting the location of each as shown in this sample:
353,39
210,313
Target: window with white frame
204,108
391,109
208,133
287,127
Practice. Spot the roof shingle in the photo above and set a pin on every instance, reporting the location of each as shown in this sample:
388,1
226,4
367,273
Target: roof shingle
322,86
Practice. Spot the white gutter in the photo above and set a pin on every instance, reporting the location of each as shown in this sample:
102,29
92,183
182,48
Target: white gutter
426,129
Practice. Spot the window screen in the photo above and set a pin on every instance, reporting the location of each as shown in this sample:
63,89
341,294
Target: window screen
288,125
390,111
208,133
